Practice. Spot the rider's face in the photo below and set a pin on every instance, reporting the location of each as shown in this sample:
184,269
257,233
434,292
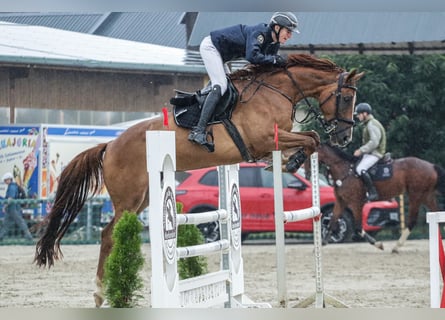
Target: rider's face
361,116
285,34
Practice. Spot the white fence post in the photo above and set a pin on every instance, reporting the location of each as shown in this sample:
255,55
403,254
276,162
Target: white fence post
434,219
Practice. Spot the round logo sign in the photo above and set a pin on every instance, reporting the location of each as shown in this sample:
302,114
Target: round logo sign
169,223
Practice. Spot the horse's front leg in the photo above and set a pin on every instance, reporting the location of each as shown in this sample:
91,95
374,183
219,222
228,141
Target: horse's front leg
332,226
359,232
302,145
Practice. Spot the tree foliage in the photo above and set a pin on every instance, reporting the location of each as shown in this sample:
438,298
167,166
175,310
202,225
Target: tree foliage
407,94
189,235
121,278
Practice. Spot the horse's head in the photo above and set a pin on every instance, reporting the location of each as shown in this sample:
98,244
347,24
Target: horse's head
334,89
337,102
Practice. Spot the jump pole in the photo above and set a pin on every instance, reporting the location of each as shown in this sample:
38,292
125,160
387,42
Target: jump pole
319,297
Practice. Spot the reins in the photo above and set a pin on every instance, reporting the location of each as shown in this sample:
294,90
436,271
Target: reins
329,126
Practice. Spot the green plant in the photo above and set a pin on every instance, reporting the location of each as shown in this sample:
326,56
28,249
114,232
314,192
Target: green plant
121,278
190,235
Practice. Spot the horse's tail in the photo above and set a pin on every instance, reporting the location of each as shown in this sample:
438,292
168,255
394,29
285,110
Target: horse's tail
81,177
440,184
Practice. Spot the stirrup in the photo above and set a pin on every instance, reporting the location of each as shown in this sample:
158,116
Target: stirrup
372,197
209,146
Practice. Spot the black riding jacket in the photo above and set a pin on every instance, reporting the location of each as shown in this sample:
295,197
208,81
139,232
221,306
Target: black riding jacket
253,43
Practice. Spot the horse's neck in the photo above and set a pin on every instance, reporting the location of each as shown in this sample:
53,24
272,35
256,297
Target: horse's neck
297,81
310,82
339,169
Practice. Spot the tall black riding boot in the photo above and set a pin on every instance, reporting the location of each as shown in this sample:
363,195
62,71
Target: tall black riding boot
198,133
372,192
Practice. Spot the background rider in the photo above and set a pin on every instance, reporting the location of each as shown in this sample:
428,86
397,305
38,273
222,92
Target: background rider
373,146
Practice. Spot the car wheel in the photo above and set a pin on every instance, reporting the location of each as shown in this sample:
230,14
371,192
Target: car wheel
344,231
210,231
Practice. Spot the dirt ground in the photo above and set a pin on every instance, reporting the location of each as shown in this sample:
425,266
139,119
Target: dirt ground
357,274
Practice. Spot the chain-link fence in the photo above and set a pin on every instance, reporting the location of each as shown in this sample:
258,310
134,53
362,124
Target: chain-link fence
98,212
85,229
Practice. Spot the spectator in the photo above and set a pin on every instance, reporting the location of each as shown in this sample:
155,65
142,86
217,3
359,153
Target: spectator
12,210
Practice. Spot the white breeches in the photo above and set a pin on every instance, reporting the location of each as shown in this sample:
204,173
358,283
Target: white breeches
367,162
213,63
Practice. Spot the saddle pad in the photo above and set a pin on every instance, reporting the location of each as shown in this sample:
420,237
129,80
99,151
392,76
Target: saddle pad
187,116
381,172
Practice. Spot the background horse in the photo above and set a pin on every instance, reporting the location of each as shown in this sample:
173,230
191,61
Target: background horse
419,179
268,97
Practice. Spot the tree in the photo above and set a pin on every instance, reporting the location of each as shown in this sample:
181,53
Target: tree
121,278
408,96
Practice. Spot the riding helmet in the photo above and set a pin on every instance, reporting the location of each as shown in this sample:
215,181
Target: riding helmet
363,107
285,19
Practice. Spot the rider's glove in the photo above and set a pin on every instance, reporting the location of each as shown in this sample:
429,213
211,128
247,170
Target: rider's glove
280,61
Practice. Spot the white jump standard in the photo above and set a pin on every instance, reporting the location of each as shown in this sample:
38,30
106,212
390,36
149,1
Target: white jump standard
221,288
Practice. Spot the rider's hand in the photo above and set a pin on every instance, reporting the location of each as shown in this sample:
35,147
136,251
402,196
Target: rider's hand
357,153
280,61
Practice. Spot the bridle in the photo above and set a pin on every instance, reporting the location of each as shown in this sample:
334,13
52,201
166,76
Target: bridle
329,126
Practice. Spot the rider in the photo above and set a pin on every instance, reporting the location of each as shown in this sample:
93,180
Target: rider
258,44
373,148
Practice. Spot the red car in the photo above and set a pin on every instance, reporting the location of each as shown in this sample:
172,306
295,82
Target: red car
198,191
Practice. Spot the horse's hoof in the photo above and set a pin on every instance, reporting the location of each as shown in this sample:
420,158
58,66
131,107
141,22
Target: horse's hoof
292,167
98,299
379,245
395,250
295,161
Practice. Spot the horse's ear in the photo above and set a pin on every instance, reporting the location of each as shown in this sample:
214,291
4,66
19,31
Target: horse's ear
353,75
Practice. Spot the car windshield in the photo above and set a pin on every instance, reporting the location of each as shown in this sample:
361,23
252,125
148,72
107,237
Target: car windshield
323,180
254,177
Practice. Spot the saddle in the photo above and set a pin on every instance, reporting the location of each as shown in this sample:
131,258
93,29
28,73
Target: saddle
187,106
382,170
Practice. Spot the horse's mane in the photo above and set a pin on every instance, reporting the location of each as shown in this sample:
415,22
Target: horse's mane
342,154
302,60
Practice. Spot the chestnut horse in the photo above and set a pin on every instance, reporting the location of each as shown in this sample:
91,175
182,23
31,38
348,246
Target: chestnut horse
268,97
419,179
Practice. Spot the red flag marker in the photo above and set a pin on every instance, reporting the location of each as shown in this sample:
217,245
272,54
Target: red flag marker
276,136
165,113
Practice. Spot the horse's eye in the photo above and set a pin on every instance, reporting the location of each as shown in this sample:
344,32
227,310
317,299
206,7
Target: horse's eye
347,99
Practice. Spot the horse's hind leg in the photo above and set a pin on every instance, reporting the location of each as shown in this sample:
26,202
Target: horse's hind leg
105,249
430,202
412,220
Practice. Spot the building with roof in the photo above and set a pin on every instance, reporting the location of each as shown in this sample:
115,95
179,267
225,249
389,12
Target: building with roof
328,32
69,72
102,68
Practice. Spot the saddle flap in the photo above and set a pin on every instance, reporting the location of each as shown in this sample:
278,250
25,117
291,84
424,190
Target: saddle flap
187,109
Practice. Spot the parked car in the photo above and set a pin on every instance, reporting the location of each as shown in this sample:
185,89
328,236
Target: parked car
198,191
